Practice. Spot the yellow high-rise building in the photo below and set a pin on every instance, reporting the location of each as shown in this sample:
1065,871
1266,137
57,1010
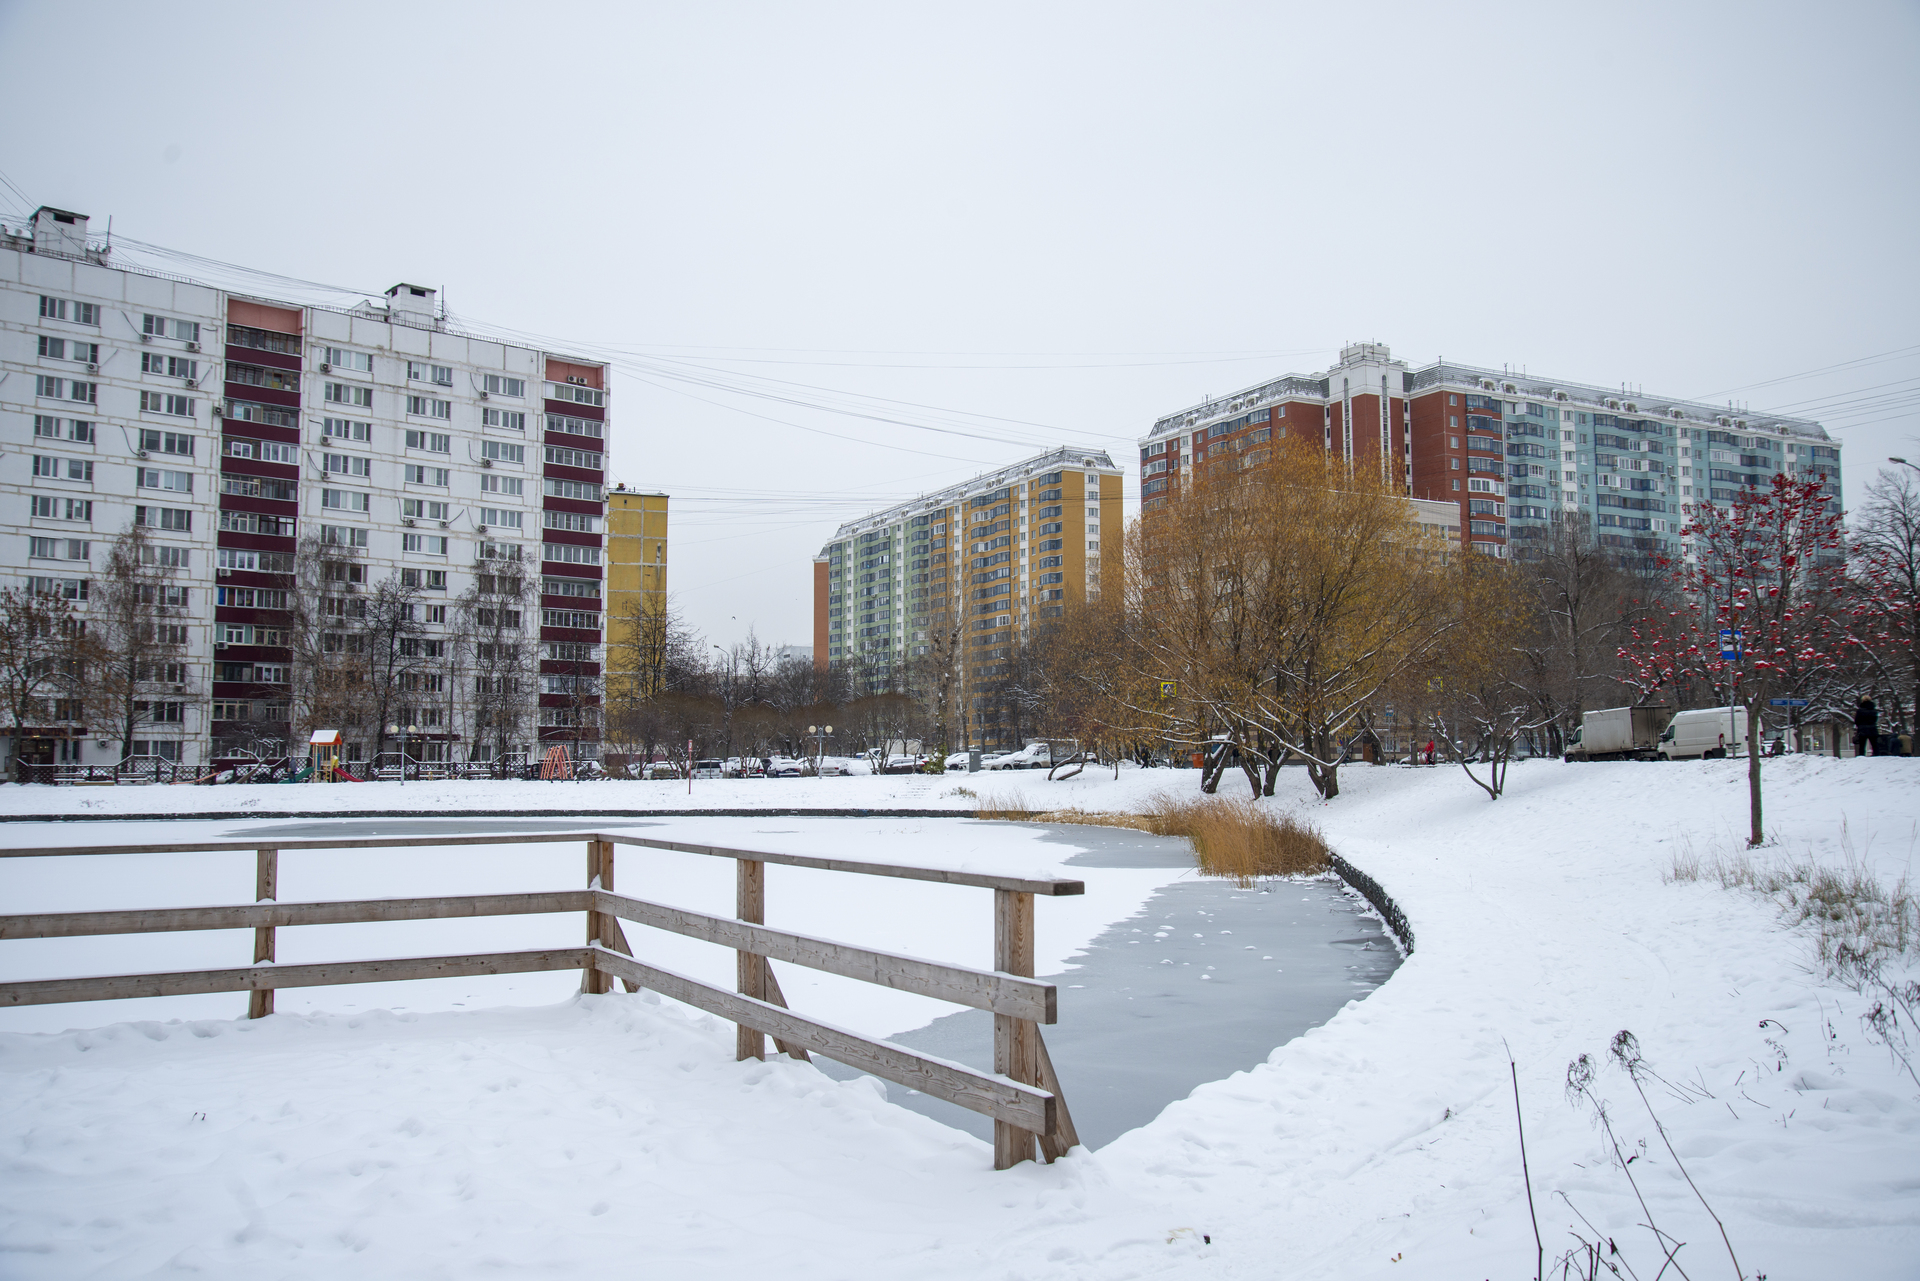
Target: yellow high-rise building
636,593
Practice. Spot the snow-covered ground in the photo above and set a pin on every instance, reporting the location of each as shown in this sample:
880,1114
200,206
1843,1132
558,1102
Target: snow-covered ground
591,1133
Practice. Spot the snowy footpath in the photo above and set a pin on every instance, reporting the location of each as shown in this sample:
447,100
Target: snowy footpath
616,1132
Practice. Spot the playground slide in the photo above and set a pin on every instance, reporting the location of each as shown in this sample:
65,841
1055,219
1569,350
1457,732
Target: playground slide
340,775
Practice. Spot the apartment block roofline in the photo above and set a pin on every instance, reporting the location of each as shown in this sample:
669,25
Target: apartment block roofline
1475,378
1065,456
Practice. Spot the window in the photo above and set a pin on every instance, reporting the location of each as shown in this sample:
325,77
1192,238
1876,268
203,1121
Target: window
167,327
433,442
504,419
498,617
76,429
421,371
571,426
423,509
495,516
500,551
85,353
72,389
436,614
63,468
166,442
343,536
263,340
424,544
347,429
414,474
177,518
280,491
428,407
252,597
1051,545
344,499
348,464
581,490
80,313
573,618
344,358
576,394
570,587
501,385
502,451
436,582
491,484
180,482
262,376
574,458
233,522
65,588
52,507
59,549
252,411
570,553
575,521
349,394
156,402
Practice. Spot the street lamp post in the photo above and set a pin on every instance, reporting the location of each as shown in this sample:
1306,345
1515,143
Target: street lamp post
821,733
1904,463
403,731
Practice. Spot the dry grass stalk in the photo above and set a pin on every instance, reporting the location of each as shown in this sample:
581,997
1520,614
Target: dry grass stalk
1239,838
1011,804
1847,906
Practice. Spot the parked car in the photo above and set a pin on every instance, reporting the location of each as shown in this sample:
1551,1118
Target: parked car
1032,756
663,769
902,764
1619,733
958,760
785,767
709,769
833,767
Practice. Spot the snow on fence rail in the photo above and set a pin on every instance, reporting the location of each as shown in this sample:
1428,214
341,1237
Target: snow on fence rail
1022,1096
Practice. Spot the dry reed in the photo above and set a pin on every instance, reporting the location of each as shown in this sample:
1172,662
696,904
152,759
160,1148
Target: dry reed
1846,907
1231,837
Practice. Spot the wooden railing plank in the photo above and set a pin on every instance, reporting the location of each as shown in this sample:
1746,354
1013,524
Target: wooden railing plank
944,876
1008,1101
982,989
1013,1037
115,987
267,915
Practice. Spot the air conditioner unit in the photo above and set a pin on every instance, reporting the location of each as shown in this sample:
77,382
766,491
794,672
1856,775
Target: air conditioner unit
193,346
443,524
484,396
407,521
219,644
179,689
223,573
139,453
146,337
479,529
486,462
191,382
219,411
93,367
325,368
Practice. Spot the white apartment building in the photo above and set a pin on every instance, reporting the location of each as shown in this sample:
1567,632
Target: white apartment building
239,429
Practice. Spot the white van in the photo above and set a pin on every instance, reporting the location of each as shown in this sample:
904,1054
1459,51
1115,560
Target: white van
1705,732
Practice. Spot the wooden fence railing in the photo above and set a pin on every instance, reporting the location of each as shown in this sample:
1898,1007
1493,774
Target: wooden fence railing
1022,1095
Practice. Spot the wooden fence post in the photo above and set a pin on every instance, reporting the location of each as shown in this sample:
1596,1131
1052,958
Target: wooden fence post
751,969
599,877
266,889
1014,1053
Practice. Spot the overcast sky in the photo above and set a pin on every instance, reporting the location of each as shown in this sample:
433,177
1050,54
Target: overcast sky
844,254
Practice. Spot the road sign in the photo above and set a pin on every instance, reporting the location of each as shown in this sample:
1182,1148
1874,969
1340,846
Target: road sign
1730,644
1786,702
1169,689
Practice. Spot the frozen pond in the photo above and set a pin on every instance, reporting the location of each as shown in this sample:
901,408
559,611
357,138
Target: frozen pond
1204,981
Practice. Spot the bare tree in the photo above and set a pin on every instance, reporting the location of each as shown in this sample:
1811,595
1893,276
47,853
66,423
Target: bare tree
137,627
45,652
493,621
1885,588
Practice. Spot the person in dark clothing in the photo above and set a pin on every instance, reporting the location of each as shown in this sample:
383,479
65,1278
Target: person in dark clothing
1866,728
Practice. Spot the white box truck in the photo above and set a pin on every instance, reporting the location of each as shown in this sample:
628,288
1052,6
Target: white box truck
1706,732
1619,734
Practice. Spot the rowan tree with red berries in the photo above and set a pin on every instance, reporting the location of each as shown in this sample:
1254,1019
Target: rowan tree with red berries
1769,567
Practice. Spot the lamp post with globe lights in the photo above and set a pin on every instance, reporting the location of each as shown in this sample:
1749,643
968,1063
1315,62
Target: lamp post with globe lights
820,733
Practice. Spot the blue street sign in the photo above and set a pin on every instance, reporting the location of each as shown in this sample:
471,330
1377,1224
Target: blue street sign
1730,643
1786,702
